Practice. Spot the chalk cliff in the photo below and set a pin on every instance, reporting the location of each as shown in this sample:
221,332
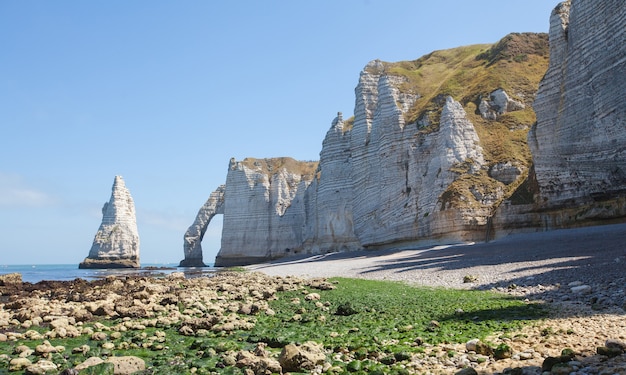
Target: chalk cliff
439,149
193,237
579,142
116,243
264,212
410,167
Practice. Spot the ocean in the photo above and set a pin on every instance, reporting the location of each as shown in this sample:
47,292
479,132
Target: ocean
39,272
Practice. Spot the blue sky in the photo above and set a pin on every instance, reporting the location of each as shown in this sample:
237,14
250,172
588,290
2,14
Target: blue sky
164,93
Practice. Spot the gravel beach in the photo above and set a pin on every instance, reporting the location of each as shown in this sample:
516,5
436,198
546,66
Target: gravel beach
534,262
580,272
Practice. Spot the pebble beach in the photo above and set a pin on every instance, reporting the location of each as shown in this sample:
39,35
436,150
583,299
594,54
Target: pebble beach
580,274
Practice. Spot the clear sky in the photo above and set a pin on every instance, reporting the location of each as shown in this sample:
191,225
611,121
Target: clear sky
164,93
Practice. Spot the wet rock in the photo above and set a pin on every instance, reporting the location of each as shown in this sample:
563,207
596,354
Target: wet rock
303,357
610,351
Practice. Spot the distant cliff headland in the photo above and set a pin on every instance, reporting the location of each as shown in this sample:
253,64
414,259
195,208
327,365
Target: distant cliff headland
467,144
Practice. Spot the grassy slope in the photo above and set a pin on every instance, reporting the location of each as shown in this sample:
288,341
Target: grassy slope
516,64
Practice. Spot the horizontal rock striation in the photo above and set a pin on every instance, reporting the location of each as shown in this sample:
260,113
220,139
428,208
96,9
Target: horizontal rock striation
579,142
423,160
437,149
116,243
264,212
329,224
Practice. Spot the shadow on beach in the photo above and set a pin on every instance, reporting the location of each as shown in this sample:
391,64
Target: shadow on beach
594,256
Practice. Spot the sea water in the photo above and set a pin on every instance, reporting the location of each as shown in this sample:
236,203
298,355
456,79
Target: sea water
59,272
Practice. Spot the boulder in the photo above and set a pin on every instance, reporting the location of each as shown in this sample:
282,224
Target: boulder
10,279
126,365
302,357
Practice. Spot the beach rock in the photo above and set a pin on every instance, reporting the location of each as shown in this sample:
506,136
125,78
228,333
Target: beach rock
89,362
126,365
612,343
116,244
41,367
301,357
46,348
466,371
581,289
471,345
20,363
10,279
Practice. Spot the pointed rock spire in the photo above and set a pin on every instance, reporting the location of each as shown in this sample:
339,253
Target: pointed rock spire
116,244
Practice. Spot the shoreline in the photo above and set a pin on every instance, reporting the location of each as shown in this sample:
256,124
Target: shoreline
583,292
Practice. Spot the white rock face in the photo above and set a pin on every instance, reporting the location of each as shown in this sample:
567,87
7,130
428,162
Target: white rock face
264,212
328,200
116,244
382,182
499,104
195,233
376,184
579,142
398,176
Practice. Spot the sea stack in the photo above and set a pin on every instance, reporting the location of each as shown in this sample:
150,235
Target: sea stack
116,244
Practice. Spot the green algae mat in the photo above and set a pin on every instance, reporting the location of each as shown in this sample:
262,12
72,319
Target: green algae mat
363,326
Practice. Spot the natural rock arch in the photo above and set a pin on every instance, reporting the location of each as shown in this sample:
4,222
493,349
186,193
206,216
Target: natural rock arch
195,233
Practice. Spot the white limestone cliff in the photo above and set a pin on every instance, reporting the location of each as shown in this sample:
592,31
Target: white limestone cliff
398,172
264,209
329,222
116,243
405,172
195,233
579,142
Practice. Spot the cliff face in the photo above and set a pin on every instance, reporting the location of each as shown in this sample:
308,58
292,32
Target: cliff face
193,237
329,224
423,159
116,243
398,172
439,148
579,142
264,212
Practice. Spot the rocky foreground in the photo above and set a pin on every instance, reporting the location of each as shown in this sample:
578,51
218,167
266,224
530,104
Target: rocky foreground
576,339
